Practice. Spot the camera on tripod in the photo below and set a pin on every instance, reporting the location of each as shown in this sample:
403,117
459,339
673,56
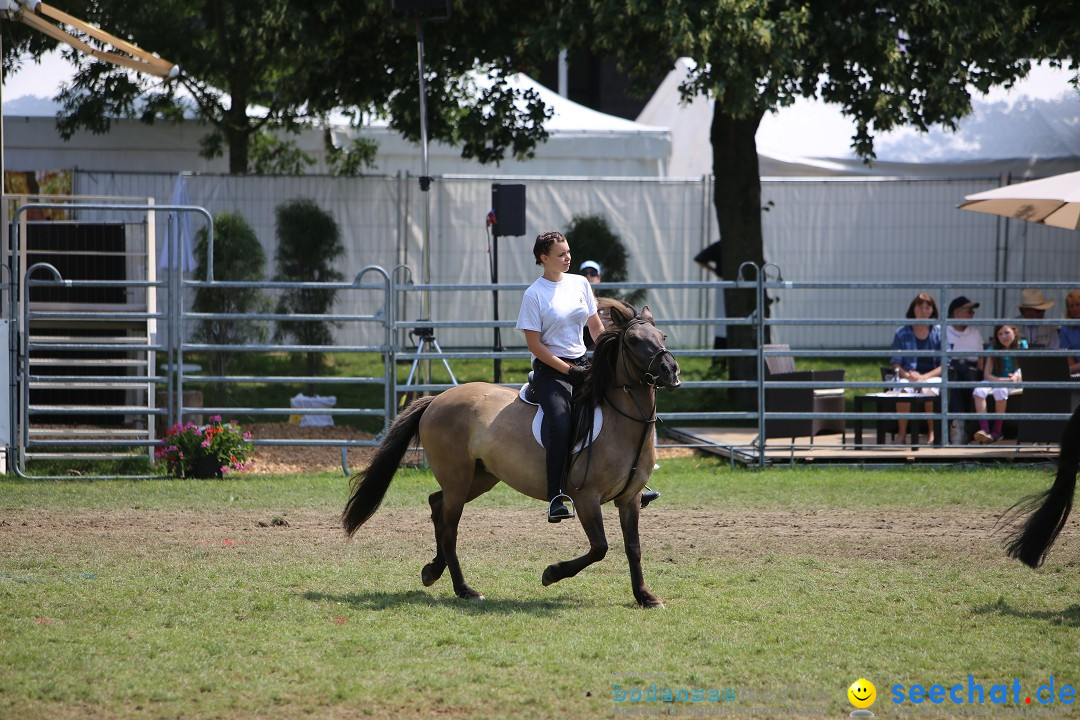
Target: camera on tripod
422,334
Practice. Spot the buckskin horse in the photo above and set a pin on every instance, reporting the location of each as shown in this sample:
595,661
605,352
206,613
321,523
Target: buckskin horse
478,434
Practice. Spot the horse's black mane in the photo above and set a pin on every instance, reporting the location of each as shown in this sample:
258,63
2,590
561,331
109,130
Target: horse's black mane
601,376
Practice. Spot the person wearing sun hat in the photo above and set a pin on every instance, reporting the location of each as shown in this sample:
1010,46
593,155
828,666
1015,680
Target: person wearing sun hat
1033,306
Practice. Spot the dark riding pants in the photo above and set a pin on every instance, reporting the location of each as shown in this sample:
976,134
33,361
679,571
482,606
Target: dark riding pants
553,392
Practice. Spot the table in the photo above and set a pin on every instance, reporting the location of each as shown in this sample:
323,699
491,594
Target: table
884,402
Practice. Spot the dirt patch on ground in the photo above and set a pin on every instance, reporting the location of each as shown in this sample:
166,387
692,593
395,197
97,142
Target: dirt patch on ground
287,459
668,535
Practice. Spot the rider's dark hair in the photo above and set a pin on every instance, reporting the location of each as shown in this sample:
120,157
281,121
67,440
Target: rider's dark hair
544,241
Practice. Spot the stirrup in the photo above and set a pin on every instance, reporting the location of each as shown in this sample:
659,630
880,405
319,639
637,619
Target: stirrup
648,495
567,512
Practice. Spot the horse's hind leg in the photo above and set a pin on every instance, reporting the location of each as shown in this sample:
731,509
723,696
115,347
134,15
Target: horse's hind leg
447,534
592,520
628,519
434,569
482,482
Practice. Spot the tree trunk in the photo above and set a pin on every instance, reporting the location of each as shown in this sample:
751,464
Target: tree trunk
737,197
237,135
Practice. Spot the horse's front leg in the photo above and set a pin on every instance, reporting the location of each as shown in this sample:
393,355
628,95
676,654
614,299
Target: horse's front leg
588,512
628,518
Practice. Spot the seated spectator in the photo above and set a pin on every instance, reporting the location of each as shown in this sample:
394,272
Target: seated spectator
1069,337
1033,306
996,369
962,338
926,368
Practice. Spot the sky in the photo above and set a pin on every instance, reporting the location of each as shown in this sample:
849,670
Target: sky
30,90
38,80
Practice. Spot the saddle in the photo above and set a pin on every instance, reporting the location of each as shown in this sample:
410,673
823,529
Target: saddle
527,394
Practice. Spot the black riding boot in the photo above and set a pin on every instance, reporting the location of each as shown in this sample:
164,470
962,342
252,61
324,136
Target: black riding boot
557,509
553,392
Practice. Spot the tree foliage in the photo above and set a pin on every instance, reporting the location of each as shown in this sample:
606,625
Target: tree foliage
238,256
308,245
886,64
252,66
591,238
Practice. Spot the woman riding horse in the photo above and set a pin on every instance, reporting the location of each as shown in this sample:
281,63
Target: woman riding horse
553,311
476,435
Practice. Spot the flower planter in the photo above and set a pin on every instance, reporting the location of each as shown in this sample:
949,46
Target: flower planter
201,452
205,468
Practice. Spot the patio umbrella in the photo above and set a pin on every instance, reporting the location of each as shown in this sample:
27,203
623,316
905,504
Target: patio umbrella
1052,201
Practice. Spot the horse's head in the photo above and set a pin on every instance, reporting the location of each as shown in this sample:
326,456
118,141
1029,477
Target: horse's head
644,356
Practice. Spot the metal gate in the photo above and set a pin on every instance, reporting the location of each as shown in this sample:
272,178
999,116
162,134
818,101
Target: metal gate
99,355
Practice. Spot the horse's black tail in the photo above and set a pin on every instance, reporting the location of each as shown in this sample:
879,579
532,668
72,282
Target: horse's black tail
1048,510
370,485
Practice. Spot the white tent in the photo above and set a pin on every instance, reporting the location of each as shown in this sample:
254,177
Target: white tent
582,142
1030,129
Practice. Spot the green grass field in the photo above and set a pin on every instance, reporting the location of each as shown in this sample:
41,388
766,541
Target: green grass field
241,598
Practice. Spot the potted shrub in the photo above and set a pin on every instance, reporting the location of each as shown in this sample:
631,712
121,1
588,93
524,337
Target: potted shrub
237,256
591,238
309,250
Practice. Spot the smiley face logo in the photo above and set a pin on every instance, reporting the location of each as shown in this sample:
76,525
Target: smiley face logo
862,693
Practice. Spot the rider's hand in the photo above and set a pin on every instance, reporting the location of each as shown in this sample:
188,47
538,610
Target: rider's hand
577,375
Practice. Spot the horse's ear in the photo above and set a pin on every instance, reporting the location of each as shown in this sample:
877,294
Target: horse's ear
646,315
620,314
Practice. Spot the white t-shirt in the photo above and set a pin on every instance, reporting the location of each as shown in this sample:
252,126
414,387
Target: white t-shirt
969,339
558,311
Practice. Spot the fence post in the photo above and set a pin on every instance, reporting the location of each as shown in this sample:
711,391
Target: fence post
759,326
389,355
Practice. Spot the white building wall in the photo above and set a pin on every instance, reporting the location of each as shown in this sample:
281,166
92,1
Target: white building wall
820,230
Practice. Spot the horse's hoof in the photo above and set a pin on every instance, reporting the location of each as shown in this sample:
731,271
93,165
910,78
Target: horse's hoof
467,593
548,578
651,601
429,575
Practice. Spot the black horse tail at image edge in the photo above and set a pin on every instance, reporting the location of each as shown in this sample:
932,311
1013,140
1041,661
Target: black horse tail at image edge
370,485
1047,511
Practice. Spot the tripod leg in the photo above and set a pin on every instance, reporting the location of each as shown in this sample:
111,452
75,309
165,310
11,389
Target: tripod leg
446,364
407,397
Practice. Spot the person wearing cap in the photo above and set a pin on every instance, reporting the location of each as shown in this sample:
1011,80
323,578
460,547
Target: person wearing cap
965,368
1033,306
592,271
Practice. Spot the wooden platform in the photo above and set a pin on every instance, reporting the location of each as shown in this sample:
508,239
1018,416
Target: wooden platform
740,445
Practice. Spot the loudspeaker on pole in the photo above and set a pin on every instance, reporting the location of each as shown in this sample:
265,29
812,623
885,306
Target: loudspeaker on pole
508,202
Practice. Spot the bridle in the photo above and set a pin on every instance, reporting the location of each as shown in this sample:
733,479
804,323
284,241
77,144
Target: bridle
647,379
647,376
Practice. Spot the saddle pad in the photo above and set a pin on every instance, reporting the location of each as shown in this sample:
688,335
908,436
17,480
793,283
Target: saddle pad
538,419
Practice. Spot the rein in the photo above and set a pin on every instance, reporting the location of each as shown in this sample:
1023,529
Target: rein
648,379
